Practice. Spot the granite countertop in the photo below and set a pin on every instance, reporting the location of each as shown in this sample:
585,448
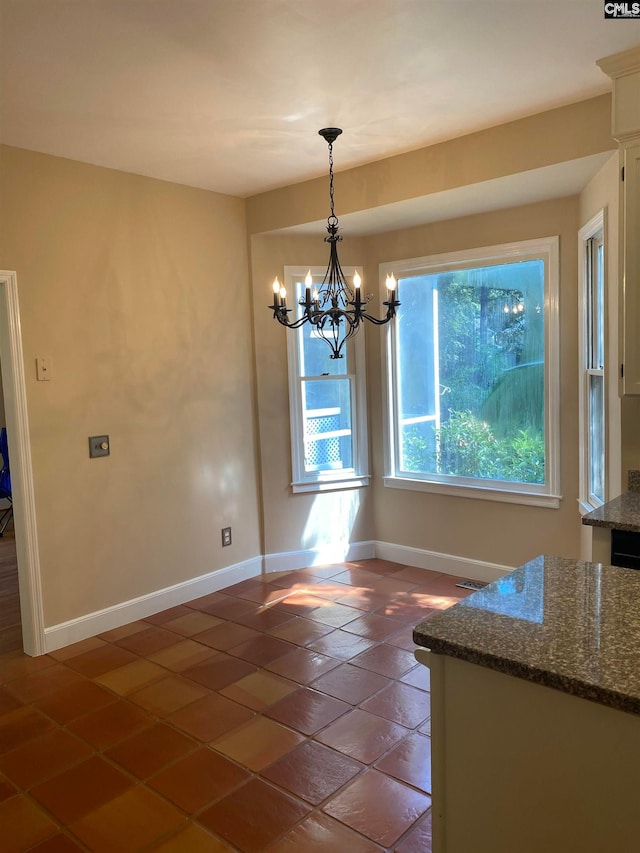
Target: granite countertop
622,513
566,624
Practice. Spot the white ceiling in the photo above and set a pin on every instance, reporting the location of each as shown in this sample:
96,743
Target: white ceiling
229,95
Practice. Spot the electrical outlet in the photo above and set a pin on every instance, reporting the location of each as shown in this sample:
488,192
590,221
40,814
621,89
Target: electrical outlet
226,536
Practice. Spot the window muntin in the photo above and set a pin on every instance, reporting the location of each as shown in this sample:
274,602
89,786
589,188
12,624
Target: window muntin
327,405
470,381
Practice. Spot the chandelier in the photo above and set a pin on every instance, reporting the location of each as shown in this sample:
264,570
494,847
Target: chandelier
336,309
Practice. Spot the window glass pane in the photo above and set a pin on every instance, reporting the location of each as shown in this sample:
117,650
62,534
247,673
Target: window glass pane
314,351
598,298
596,436
470,361
328,439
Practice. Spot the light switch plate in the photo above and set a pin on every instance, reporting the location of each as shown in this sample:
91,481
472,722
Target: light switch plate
99,446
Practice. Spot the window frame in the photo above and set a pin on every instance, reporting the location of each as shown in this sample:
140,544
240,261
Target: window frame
328,480
595,228
545,495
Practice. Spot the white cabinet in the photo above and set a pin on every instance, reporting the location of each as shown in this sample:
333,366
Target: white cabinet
631,269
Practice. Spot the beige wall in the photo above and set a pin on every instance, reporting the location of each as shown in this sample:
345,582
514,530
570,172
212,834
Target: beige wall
502,533
294,521
137,291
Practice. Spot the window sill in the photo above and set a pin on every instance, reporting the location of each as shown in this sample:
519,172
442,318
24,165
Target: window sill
475,492
331,485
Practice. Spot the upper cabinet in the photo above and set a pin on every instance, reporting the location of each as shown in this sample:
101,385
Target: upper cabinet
624,70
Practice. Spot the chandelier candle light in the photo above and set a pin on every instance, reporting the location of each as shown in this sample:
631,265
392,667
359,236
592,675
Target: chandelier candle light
335,310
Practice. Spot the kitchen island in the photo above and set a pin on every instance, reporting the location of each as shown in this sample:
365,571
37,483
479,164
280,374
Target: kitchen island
535,698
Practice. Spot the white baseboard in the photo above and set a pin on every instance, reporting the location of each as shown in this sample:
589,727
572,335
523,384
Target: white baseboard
288,561
58,636
448,564
91,624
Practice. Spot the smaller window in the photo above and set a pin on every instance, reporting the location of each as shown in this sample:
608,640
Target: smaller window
592,365
326,401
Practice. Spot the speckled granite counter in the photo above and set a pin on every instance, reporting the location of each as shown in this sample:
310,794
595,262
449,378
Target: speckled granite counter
621,513
566,624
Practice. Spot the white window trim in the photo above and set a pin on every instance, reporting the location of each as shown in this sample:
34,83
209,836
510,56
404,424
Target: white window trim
586,501
549,495
320,481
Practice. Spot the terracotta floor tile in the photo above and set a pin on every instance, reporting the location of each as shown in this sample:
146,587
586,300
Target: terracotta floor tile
210,718
419,676
58,843
381,567
101,660
192,623
425,728
228,607
253,816
320,833
335,615
259,592
300,631
8,702
199,779
258,743
313,771
30,688
302,665
419,839
410,762
182,655
219,671
116,634
19,726
169,614
6,789
363,599
75,701
131,822
412,608
76,649
226,635
299,601
126,679
342,645
193,839
358,577
15,664
331,590
43,756
110,725
168,695
207,600
263,620
422,577
351,683
23,824
148,751
393,586
259,690
386,660
81,789
372,626
307,711
363,736
262,650
401,704
378,807
153,639
403,639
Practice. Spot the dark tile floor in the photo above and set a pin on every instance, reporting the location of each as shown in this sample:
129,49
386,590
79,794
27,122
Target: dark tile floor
282,714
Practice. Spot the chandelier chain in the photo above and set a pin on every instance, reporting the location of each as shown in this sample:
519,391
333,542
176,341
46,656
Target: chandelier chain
333,216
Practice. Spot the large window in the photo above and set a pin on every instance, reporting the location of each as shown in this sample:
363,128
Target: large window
473,373
592,365
327,403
